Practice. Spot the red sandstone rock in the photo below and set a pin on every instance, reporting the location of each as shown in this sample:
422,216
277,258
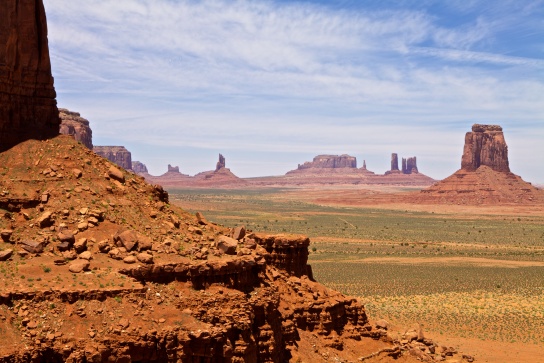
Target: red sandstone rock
116,154
485,145
73,124
484,177
28,109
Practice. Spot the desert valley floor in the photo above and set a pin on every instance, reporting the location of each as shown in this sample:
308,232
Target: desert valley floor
472,276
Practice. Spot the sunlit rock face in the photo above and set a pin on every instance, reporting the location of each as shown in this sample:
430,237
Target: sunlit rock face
485,145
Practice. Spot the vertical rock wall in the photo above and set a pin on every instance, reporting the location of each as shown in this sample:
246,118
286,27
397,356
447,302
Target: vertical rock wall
485,145
28,108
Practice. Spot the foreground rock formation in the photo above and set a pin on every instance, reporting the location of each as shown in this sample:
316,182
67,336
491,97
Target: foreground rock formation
28,109
102,268
484,177
117,154
73,124
161,285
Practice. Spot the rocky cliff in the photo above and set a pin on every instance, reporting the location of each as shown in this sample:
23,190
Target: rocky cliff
28,109
330,162
134,278
73,124
485,145
139,167
116,154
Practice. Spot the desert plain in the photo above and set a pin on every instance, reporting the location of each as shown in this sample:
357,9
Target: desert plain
472,276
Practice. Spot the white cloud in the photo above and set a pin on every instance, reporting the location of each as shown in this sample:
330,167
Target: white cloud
287,77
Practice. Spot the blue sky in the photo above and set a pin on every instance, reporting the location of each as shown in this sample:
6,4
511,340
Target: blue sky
271,84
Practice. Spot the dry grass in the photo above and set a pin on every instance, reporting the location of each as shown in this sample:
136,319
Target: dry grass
466,275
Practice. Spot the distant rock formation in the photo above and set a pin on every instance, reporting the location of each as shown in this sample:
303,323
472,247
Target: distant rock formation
73,124
485,145
409,165
139,167
484,177
116,154
28,109
394,162
364,165
173,169
330,162
221,163
218,178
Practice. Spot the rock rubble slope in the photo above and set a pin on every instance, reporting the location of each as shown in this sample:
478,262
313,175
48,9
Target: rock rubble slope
97,266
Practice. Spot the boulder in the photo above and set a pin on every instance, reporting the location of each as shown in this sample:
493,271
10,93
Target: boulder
79,265
66,236
33,246
5,254
6,234
116,174
239,233
127,239
145,258
227,245
45,220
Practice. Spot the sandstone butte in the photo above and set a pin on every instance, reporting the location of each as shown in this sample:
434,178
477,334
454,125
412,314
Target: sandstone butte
98,267
73,124
484,177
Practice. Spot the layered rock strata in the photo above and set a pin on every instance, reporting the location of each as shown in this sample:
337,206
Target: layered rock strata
28,109
116,154
73,124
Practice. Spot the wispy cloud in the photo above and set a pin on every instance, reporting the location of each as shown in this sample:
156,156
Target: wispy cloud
294,76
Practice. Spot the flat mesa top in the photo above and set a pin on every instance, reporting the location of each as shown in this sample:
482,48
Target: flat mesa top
484,128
